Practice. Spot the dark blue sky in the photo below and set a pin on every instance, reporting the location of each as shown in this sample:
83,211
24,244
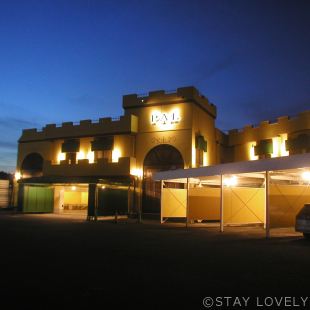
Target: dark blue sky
70,60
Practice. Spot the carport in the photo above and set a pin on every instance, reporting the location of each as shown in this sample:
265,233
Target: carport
91,196
269,192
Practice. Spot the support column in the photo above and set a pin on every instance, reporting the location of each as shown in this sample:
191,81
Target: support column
267,203
91,200
221,206
161,201
20,197
187,201
59,199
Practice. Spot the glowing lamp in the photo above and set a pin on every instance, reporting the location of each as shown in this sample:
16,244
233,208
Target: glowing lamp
61,156
306,175
231,181
252,153
116,154
91,157
80,155
137,172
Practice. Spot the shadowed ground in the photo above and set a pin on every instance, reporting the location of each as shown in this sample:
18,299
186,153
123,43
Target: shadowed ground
65,262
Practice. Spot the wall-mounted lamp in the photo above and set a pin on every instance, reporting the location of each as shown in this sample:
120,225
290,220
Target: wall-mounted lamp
231,181
116,154
306,175
137,172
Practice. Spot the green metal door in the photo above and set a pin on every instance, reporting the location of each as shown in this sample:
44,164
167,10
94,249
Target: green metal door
112,200
38,199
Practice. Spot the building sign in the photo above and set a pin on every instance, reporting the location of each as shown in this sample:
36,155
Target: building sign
165,118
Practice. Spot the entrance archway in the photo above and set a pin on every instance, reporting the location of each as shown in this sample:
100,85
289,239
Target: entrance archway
163,157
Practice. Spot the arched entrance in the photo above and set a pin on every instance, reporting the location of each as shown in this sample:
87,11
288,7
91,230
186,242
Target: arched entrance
32,166
160,158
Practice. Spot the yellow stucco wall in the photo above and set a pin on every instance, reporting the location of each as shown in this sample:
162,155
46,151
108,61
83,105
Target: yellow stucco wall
174,202
267,130
244,205
243,152
204,203
178,139
181,135
43,148
241,205
76,198
285,202
204,125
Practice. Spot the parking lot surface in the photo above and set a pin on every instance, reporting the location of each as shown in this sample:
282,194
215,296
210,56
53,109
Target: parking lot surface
65,262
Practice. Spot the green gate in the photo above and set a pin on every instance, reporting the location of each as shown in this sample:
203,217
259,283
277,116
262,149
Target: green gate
112,200
38,199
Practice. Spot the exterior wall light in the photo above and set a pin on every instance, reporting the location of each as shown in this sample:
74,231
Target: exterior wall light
231,181
276,146
116,154
73,188
17,175
252,153
80,155
306,175
91,157
284,152
137,172
61,156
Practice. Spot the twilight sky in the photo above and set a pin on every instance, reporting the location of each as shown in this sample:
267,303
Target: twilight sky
69,60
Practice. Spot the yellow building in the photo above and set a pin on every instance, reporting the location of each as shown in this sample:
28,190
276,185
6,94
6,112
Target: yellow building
106,166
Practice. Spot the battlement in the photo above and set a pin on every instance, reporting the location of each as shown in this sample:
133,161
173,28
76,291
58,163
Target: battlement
268,130
160,97
124,166
85,128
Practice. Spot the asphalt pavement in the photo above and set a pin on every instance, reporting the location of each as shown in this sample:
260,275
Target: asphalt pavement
65,262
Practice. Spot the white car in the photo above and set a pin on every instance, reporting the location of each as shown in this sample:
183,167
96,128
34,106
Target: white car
303,221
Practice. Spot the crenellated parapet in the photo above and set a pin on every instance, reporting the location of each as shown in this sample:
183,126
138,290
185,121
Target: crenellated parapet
160,97
268,130
85,128
124,166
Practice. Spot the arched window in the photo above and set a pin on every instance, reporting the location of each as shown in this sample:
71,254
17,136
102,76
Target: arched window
32,166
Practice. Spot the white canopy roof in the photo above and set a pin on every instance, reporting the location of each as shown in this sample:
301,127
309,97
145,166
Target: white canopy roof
268,164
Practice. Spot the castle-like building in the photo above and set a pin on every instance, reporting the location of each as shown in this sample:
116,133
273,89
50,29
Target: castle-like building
106,166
